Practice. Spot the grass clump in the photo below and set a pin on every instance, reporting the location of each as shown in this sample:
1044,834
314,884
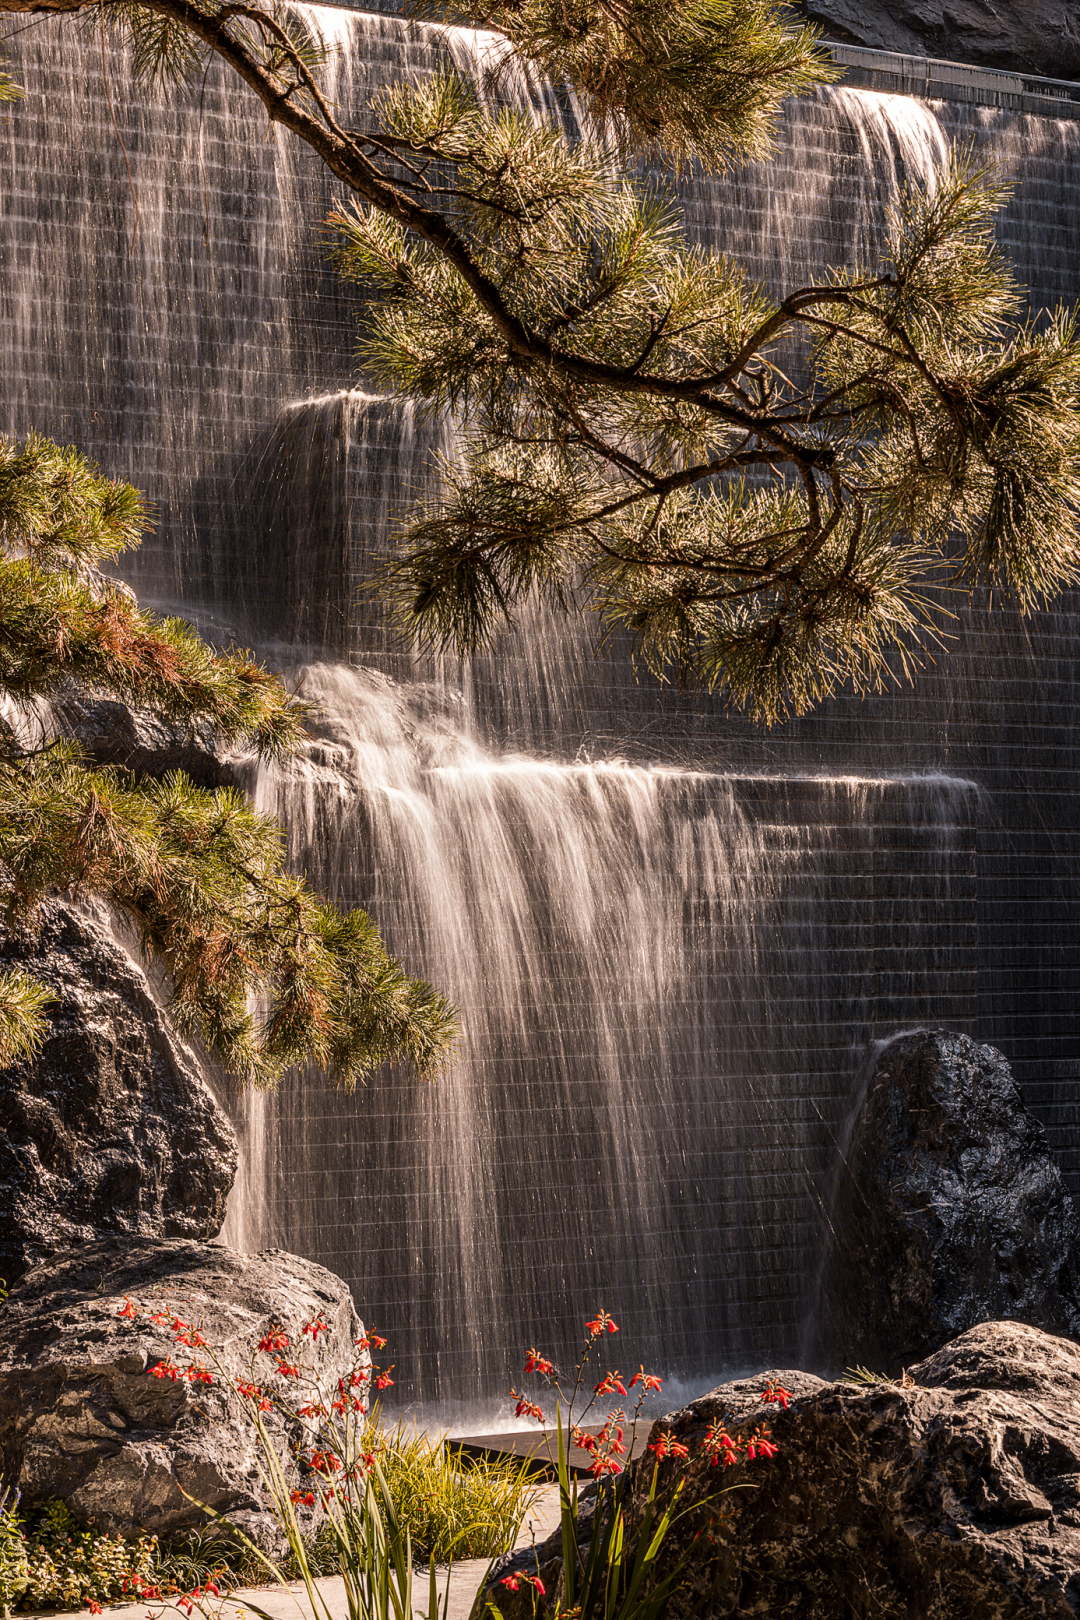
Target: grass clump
450,1511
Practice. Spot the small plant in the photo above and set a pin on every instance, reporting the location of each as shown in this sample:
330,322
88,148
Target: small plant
866,1376
617,1573
14,1575
72,1568
450,1512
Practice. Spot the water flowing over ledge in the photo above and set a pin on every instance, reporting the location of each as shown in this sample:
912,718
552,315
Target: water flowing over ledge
670,937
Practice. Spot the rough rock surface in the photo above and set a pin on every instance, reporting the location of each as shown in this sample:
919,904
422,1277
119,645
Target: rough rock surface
949,1211
81,1417
111,1128
1021,36
111,733
955,1499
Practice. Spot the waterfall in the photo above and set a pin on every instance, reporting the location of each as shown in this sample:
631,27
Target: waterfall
670,937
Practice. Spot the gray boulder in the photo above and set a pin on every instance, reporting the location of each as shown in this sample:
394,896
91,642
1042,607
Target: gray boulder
83,1419
111,1128
955,1497
948,1211
1038,36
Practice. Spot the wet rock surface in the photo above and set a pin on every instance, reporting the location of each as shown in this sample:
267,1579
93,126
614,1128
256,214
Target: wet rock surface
949,1210
111,1128
1036,36
83,1420
954,1498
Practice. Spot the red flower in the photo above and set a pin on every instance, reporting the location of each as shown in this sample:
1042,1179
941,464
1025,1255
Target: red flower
604,1465
525,1407
275,1341
761,1448
599,1323
534,1362
611,1385
303,1498
776,1393
166,1369
288,1370
510,1581
318,1326
384,1379
95,1608
131,1313
665,1446
649,1380
325,1462
370,1339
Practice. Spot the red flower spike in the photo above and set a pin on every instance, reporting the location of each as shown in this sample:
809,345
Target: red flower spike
320,1325
534,1362
601,1321
776,1394
510,1582
127,1310
95,1608
649,1380
287,1370
611,1385
303,1498
274,1342
384,1379
525,1407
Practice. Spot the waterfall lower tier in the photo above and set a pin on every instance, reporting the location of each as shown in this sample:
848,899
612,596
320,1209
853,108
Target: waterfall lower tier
665,979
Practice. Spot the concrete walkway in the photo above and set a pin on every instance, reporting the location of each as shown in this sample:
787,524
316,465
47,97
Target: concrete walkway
291,1603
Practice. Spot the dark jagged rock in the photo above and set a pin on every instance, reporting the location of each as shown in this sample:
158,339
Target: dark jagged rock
111,733
949,1210
957,1498
111,1128
83,1420
1037,36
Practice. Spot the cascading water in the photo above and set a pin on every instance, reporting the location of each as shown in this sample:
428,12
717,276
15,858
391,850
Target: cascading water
670,938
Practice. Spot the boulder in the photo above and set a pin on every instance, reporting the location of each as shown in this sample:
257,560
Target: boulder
110,1128
83,1419
952,1497
949,1210
1039,36
112,733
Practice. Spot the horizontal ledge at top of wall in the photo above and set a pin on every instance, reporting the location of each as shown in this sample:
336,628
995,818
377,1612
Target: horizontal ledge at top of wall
927,76
938,80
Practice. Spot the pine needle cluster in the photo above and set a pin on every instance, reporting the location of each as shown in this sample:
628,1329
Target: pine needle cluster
772,530
261,969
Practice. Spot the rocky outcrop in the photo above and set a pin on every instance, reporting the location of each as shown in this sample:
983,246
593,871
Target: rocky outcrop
111,1128
83,1420
111,733
1038,36
949,1210
954,1498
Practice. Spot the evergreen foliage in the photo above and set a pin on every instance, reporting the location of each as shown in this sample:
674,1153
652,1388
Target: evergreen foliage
199,873
772,496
